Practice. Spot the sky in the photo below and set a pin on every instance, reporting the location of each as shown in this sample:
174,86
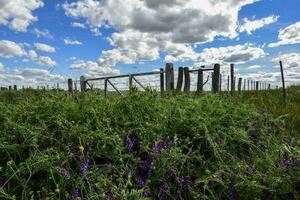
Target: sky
47,41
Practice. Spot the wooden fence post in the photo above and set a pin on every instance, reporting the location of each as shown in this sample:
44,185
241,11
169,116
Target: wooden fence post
248,85
82,84
232,78
105,87
220,83
216,78
162,82
187,79
245,84
257,85
130,82
282,78
240,85
9,87
200,81
15,87
228,84
169,77
70,86
180,79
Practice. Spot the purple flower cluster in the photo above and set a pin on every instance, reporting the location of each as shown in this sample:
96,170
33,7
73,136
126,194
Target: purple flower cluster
232,194
84,166
76,193
64,172
163,189
108,194
144,169
287,161
131,142
146,192
162,145
185,181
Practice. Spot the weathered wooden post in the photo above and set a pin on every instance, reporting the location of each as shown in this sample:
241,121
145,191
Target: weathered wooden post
187,79
15,87
70,86
282,78
216,78
200,81
180,79
169,77
82,84
232,78
105,87
228,84
162,81
240,85
57,86
130,82
75,86
245,84
220,83
269,87
248,85
9,87
257,85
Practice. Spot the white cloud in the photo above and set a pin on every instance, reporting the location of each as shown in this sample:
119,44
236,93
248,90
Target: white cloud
238,54
17,14
67,41
253,67
44,47
1,67
10,49
41,60
288,35
42,33
249,26
78,25
93,68
29,76
149,27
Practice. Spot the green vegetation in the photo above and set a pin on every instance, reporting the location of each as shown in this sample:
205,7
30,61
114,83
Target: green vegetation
142,146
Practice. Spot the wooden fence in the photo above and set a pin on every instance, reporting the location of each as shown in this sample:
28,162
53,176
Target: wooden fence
167,81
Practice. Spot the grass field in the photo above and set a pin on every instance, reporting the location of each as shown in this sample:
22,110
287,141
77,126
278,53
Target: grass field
142,146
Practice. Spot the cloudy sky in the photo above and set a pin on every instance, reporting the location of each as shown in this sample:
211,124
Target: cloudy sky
48,41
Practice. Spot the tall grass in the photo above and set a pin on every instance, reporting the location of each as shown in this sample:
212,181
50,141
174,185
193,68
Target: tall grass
142,146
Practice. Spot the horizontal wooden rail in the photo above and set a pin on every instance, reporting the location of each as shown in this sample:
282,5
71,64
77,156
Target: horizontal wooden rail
124,76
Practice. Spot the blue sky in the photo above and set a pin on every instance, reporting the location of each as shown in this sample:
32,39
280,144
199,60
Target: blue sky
47,41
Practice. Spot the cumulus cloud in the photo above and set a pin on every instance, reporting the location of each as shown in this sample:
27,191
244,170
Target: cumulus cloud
288,35
44,47
1,67
254,67
78,25
17,14
42,33
10,49
41,60
249,26
149,27
68,41
238,54
93,68
29,76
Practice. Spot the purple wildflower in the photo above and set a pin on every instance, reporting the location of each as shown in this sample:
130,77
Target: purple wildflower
128,172
250,170
163,188
95,189
108,194
64,172
131,142
84,166
76,193
167,144
157,148
287,161
144,168
184,180
146,192
232,195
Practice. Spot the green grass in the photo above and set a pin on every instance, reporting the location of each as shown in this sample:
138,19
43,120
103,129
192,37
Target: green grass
222,147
